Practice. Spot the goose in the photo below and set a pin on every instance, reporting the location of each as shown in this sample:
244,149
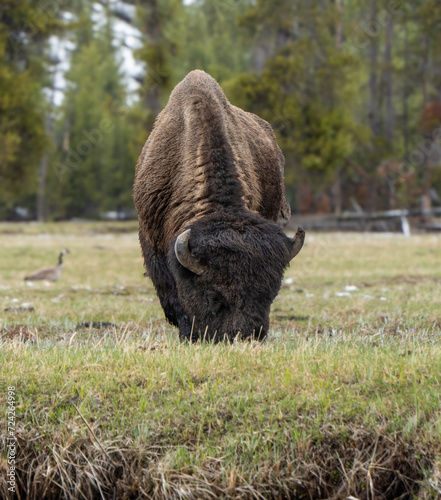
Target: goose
49,273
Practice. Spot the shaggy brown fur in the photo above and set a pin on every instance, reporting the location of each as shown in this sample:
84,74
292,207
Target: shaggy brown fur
207,161
171,175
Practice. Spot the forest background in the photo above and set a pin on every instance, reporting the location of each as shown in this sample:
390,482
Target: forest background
352,89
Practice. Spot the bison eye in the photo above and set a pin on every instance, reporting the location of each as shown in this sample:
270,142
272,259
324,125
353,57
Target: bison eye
216,301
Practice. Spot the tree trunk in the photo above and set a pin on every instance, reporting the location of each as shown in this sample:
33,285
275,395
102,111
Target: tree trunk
388,80
373,86
43,169
339,28
263,49
152,79
425,68
41,194
152,101
372,196
336,188
406,94
426,202
337,194
390,186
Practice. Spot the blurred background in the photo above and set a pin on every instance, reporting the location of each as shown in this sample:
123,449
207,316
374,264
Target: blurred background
352,89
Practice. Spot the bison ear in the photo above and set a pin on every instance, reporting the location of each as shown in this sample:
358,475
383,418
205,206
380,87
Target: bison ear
297,242
184,256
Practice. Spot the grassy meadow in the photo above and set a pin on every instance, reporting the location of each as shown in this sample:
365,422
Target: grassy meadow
342,401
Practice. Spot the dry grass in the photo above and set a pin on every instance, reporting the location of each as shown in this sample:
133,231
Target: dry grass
342,401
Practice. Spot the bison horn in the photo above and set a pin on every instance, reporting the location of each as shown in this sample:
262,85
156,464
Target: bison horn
298,241
184,256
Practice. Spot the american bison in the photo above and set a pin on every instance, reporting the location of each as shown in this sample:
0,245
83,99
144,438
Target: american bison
208,192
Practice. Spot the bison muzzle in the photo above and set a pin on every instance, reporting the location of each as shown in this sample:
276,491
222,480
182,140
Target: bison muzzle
209,192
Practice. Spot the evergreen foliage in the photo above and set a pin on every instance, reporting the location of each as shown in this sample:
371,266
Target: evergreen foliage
93,169
24,26
352,89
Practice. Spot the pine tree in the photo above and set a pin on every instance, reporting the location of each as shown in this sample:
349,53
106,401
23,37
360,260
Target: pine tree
94,165
213,39
302,87
156,20
24,28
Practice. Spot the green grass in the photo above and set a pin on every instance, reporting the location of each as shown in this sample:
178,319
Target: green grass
344,398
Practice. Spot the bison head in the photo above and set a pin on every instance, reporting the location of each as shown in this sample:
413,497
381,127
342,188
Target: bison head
228,271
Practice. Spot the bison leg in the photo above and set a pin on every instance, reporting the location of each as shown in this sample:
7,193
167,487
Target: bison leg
165,284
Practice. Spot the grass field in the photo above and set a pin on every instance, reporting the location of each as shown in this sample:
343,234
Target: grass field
342,401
